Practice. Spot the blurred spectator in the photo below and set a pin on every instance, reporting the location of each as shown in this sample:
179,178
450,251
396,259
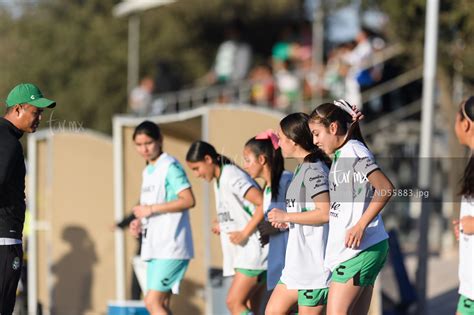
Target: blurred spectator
311,78
376,72
359,60
141,97
233,57
336,71
287,85
263,85
285,48
166,80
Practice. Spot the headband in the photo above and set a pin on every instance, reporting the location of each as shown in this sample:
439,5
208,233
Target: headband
345,106
269,135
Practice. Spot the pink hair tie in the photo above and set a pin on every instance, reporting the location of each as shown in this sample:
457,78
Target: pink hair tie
269,135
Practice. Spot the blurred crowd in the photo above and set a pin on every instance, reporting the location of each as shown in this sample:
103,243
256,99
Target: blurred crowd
290,75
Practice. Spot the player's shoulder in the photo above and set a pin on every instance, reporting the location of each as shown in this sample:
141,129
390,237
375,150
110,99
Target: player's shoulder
317,167
356,149
175,166
230,173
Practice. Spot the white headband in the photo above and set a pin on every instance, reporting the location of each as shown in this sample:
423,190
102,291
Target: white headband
345,106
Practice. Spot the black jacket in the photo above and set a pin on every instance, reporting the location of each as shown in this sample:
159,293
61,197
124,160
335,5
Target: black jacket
12,181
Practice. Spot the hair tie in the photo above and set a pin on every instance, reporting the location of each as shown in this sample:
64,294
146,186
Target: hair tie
269,135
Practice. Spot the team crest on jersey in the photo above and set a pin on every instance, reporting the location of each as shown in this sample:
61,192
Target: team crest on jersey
16,263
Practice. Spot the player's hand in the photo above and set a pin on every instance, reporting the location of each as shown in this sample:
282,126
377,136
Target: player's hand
142,211
467,223
280,226
216,229
135,228
113,227
277,216
354,236
357,115
238,237
456,229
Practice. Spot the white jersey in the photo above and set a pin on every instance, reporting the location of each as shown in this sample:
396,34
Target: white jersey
277,244
466,253
304,262
165,235
234,212
350,195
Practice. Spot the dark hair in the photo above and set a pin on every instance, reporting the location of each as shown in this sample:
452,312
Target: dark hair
328,113
198,151
467,181
148,128
274,159
295,127
8,109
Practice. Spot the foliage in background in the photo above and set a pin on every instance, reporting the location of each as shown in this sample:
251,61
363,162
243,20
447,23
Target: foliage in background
76,51
455,33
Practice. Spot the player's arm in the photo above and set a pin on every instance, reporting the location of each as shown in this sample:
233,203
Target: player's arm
317,216
381,184
254,195
467,223
178,182
184,201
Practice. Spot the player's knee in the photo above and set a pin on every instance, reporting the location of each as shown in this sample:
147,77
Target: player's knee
231,303
271,309
148,303
335,311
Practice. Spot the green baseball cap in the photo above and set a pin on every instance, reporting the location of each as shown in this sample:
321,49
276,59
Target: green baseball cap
27,93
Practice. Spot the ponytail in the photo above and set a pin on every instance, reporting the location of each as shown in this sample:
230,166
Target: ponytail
223,160
316,155
274,160
199,149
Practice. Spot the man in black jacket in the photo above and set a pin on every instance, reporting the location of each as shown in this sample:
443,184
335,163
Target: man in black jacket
25,104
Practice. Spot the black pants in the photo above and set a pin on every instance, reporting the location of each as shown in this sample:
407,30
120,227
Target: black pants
11,261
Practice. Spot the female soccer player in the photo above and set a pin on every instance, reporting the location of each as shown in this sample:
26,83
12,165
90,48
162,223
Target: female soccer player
304,278
263,159
464,228
239,210
357,243
162,218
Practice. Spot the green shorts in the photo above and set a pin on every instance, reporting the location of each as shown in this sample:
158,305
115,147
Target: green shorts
163,274
252,273
313,297
465,306
364,267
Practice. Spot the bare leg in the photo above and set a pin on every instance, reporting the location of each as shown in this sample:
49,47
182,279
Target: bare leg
308,310
256,297
342,297
239,293
157,303
362,304
281,301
